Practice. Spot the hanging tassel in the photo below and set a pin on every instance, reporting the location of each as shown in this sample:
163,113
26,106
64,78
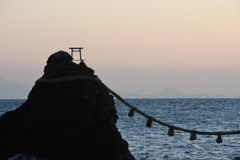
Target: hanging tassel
149,122
131,113
171,131
219,139
193,136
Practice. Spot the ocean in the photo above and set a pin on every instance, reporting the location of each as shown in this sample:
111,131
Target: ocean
196,114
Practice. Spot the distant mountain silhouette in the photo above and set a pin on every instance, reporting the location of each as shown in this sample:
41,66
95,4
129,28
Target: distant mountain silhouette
11,90
206,96
238,96
171,93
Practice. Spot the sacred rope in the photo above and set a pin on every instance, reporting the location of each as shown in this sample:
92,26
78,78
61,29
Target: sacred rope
134,109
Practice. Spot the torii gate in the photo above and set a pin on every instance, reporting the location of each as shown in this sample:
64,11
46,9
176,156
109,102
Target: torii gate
76,49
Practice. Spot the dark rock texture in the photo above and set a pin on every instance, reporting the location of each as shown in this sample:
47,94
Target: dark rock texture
71,120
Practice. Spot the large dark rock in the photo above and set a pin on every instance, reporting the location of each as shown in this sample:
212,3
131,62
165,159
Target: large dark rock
71,120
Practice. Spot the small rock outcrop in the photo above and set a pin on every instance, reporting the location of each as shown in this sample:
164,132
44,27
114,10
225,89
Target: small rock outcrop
69,120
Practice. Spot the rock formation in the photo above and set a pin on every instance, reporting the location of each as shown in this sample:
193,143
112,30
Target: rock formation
69,120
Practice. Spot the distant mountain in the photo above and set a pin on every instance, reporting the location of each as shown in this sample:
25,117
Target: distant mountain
11,90
174,93
206,96
171,93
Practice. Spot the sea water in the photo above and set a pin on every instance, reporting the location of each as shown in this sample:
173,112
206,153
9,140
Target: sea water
196,114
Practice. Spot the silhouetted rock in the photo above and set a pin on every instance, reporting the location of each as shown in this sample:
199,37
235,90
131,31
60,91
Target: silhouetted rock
71,120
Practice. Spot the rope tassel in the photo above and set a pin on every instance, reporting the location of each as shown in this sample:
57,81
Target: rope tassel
219,139
131,113
149,122
193,136
171,131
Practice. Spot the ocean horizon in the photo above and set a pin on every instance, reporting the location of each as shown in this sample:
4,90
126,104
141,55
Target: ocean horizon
154,143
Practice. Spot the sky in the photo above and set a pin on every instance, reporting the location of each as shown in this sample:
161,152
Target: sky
135,47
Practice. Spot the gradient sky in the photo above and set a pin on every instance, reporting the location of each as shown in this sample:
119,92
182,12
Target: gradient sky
134,46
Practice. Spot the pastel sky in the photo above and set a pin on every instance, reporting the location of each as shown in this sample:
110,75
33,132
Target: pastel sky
135,46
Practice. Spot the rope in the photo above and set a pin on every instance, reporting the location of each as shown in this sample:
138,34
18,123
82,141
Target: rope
133,108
